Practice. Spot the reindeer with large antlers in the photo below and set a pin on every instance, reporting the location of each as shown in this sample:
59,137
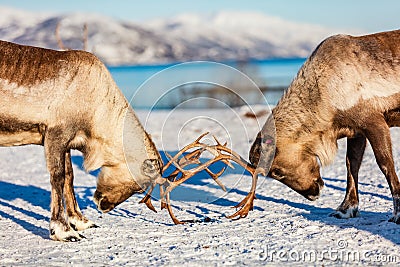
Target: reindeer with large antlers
221,153
66,100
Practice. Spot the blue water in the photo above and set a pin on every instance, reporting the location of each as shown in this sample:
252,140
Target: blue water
169,85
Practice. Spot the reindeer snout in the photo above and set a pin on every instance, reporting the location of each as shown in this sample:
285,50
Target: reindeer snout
320,183
97,197
102,202
314,192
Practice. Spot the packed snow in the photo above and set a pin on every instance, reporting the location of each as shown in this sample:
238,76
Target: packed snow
283,228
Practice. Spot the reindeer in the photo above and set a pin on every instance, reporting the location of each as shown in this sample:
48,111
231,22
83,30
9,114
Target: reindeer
67,100
348,87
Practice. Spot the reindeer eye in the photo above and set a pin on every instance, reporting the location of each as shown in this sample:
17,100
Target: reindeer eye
277,174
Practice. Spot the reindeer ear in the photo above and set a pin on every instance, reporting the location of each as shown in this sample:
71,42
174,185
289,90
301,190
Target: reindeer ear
255,150
262,151
268,146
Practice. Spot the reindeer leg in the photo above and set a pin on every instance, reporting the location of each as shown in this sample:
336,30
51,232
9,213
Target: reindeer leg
355,153
75,218
378,135
55,157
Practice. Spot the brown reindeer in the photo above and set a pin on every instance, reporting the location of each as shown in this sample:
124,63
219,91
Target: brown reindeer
349,87
68,100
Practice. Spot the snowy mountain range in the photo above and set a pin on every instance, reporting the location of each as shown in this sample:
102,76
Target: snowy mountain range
221,36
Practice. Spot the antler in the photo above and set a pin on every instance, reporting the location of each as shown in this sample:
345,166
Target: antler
220,153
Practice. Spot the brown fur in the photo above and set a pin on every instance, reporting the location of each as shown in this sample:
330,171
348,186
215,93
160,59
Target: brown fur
17,62
349,87
68,100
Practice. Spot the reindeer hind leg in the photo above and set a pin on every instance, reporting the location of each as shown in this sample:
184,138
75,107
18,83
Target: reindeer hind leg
379,137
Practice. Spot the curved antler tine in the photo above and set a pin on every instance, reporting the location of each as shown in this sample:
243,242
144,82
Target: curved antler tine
191,158
162,197
246,204
173,160
147,199
170,161
216,140
244,201
215,177
200,137
171,214
228,163
168,155
173,175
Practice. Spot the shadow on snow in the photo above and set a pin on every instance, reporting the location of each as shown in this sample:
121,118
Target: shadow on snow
368,221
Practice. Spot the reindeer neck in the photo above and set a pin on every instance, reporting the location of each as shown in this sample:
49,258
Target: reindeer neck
303,117
136,139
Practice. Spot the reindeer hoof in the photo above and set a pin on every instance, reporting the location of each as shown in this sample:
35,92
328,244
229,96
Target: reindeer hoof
79,224
350,212
61,232
395,219
73,238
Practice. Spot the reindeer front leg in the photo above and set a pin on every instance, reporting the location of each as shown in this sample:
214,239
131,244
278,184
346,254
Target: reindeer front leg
354,156
55,156
75,218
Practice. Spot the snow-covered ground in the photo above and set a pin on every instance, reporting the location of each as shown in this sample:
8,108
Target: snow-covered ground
283,227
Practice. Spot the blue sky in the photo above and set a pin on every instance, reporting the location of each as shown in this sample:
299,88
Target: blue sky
368,15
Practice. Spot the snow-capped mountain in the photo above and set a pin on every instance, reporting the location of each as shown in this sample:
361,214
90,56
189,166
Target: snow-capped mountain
222,36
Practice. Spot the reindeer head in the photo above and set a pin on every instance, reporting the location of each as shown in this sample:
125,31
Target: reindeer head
116,184
296,168
288,161
131,163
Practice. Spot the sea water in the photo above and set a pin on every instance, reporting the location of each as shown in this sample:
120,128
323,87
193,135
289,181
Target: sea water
169,85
